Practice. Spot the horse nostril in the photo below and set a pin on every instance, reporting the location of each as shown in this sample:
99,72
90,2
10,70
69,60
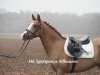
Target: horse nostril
25,35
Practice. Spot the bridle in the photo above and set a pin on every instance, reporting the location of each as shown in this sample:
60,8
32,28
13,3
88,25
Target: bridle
22,49
33,33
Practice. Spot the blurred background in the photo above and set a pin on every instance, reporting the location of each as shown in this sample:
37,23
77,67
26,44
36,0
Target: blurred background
67,16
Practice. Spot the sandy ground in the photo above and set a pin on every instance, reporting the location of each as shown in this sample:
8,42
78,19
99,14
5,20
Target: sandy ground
10,45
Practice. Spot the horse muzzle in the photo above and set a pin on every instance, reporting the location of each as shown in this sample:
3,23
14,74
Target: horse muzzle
25,36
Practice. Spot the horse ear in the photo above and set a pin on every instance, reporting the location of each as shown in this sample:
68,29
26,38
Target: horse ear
33,18
38,18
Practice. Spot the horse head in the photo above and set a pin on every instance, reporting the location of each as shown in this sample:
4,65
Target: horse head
33,30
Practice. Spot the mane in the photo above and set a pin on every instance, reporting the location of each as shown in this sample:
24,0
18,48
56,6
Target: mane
54,29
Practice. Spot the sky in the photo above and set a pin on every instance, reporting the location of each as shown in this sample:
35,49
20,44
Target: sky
61,6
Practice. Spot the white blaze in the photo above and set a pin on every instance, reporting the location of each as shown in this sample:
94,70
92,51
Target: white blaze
30,26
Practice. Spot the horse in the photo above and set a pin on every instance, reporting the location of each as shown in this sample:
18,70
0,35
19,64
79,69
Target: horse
53,43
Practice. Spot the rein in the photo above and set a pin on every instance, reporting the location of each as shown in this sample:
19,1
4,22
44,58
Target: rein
22,49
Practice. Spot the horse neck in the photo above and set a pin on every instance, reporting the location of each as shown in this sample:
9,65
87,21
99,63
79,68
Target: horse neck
49,38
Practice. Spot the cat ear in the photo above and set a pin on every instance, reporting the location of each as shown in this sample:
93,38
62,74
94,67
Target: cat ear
38,18
33,18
